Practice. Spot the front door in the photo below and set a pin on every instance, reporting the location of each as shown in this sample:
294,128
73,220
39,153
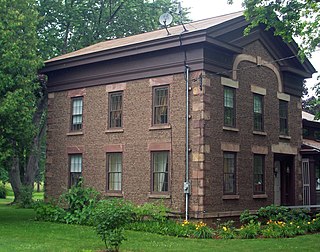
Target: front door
284,179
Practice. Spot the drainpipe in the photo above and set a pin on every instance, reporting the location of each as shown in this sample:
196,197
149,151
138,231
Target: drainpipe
186,185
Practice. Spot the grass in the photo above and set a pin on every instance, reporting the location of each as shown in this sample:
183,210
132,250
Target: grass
20,232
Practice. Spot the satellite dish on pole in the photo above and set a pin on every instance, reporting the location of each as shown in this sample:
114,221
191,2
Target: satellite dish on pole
165,19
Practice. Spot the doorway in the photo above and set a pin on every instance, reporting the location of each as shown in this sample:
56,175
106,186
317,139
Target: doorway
284,179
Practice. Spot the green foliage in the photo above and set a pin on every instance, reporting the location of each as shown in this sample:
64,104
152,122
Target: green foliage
3,191
48,211
281,213
79,203
226,230
246,217
250,230
67,26
74,207
289,19
25,199
151,211
110,217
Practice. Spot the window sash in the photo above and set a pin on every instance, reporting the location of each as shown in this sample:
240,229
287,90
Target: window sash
114,171
283,116
229,106
258,112
75,169
229,173
160,105
115,110
258,174
77,111
160,171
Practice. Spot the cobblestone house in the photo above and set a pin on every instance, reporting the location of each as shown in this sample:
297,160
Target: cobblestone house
117,117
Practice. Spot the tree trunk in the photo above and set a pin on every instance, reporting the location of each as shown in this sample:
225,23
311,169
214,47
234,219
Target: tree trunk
14,178
40,123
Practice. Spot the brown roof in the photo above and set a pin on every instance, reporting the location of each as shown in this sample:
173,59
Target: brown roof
149,36
311,143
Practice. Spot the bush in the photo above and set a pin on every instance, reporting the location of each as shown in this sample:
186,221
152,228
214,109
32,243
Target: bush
226,230
79,203
25,198
110,217
151,211
74,207
246,217
250,230
49,212
281,213
3,191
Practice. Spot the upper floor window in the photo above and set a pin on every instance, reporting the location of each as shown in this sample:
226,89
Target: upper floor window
229,173
115,110
283,115
75,164
160,105
229,107
76,119
114,168
258,174
257,112
160,171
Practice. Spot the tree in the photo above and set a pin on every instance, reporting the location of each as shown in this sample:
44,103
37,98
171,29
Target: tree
69,25
289,19
20,92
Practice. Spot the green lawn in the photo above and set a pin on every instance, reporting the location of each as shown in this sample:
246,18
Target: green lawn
19,232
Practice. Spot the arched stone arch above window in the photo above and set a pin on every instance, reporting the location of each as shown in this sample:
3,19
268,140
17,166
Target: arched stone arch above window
260,62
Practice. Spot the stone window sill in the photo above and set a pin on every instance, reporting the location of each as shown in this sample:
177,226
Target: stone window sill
284,137
160,127
230,129
259,196
159,196
231,197
114,194
120,130
261,133
77,133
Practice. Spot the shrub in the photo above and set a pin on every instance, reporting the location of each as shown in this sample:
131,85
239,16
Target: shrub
25,198
250,230
154,211
281,213
3,191
110,217
49,212
246,217
79,203
226,230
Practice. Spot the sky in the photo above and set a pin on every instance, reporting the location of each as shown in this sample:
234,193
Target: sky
201,9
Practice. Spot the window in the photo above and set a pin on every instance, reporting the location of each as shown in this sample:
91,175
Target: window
115,110
77,105
229,173
229,107
258,174
114,167
318,176
75,169
160,174
160,105
283,114
257,112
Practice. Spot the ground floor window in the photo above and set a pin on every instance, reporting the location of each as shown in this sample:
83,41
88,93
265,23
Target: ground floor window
114,167
75,169
229,173
160,171
258,174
